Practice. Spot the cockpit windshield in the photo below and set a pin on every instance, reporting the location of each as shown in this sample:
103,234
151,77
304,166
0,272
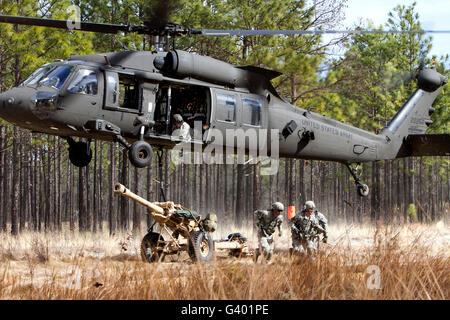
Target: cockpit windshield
37,75
56,77
50,76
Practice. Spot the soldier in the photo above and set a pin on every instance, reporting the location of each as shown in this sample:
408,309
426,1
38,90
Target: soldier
182,129
266,222
306,228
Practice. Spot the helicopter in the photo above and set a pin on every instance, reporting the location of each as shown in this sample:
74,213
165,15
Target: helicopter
131,97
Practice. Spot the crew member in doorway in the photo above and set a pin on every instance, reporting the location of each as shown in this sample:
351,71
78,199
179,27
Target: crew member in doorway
181,128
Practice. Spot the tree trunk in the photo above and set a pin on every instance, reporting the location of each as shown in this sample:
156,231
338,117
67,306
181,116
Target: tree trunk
100,189
301,182
95,198
89,217
292,183
256,188
136,207
82,205
71,192
34,204
49,196
225,194
419,193
124,202
112,177
42,190
59,202
167,175
2,177
15,186
150,196
203,187
239,209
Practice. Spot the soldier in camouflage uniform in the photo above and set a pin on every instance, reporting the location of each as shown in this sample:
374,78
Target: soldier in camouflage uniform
266,222
306,228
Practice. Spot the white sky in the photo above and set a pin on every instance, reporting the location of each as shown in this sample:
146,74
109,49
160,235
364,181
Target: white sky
433,15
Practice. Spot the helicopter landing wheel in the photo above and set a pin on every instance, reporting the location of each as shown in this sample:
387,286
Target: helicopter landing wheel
363,190
80,154
140,154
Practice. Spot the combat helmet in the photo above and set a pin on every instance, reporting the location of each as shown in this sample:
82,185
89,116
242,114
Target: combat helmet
277,206
309,205
178,118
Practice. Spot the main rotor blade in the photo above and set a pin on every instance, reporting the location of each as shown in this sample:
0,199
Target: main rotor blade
66,24
217,32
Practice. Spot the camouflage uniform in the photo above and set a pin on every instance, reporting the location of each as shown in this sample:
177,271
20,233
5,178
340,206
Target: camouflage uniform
266,223
305,232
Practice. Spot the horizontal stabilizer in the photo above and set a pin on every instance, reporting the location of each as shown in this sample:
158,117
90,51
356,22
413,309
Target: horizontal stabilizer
417,145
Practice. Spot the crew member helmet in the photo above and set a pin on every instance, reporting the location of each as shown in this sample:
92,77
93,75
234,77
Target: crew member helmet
309,205
178,118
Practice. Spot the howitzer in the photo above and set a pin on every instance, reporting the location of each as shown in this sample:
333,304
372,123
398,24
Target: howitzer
183,226
185,229
166,213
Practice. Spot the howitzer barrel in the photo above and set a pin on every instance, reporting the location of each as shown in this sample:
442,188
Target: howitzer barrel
124,191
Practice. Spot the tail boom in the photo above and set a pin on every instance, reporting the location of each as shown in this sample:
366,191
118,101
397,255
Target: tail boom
405,134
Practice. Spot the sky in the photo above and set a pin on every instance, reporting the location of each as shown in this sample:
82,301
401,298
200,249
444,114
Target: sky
433,15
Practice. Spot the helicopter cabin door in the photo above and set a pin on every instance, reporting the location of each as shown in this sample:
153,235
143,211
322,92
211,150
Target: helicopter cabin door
224,114
234,111
253,118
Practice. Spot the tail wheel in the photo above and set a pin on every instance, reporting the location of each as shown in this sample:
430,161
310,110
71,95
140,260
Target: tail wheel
363,190
201,247
140,154
149,245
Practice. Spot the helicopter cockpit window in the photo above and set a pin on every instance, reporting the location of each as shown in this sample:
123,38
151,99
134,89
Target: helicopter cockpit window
85,81
56,77
226,107
36,76
251,111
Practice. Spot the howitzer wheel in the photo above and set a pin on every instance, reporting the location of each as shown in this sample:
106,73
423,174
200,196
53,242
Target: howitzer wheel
149,244
201,247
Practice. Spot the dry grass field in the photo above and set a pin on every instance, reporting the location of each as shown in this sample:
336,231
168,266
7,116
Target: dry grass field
413,263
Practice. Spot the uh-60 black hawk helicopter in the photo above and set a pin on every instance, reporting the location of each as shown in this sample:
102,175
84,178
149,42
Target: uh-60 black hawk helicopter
131,97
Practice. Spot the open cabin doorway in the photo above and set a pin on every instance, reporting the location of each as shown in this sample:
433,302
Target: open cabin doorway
192,102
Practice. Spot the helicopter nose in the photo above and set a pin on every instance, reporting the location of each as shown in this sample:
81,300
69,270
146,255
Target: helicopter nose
14,106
